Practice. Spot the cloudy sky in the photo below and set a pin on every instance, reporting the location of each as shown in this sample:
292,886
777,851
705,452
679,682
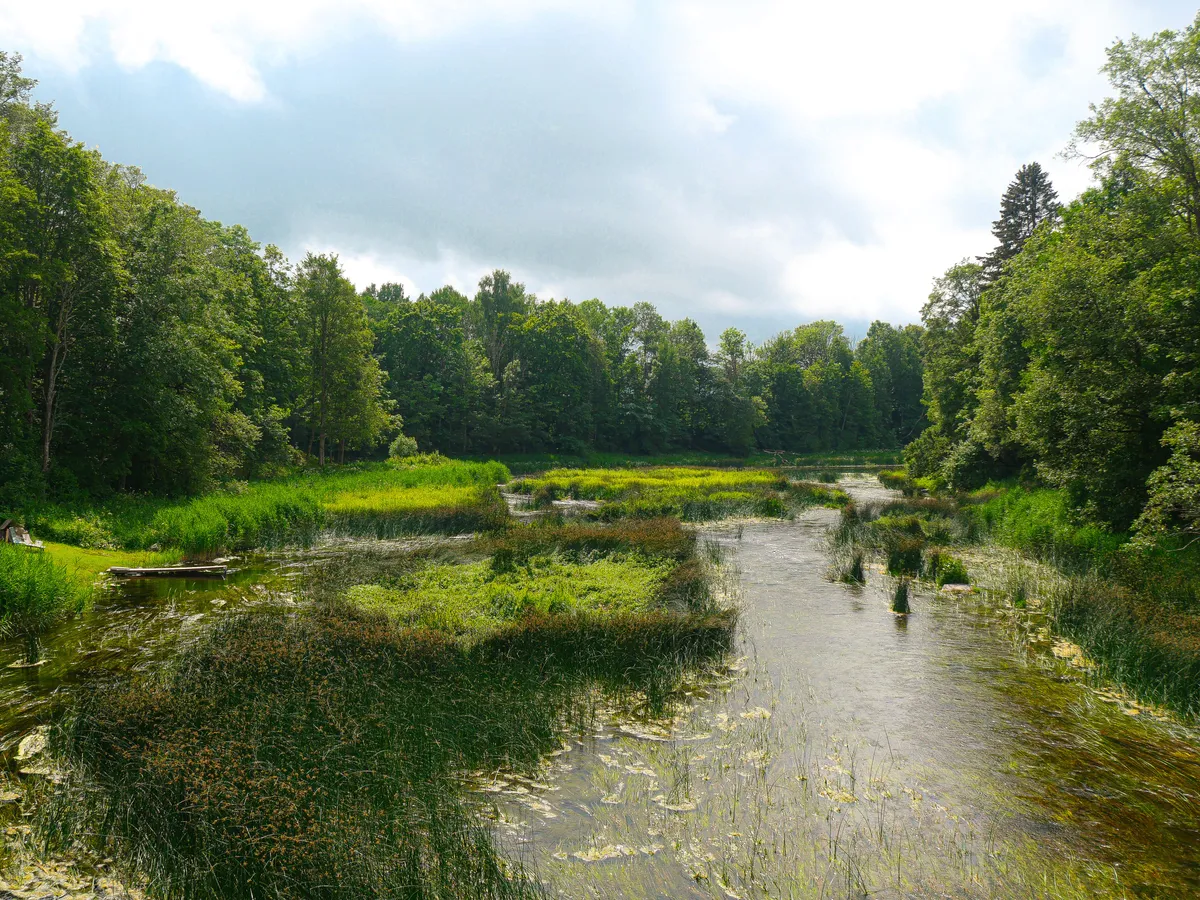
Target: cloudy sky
751,163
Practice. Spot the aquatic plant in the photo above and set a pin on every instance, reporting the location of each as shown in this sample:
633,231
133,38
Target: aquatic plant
900,597
692,494
319,754
904,558
36,593
951,570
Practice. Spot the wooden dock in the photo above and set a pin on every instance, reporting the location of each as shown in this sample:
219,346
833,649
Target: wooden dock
169,572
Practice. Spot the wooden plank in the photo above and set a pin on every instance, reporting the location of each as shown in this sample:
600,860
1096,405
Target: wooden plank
167,571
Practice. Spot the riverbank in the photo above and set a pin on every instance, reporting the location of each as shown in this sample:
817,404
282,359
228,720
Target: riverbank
1133,609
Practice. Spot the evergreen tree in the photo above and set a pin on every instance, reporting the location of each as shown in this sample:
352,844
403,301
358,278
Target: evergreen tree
1029,201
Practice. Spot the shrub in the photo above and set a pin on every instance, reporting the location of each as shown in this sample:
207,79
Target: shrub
403,446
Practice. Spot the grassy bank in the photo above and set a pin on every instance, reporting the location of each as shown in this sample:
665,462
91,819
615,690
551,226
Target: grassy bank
1133,609
692,494
321,753
368,500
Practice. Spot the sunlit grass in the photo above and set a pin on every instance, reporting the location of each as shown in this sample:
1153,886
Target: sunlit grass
692,494
36,593
473,598
375,500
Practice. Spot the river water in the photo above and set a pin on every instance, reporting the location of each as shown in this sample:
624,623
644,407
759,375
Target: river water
845,752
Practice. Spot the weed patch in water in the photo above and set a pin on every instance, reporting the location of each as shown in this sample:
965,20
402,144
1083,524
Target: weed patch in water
320,754
692,494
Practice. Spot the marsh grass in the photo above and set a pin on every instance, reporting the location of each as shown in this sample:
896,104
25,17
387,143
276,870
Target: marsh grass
382,500
692,494
36,593
320,754
576,569
324,753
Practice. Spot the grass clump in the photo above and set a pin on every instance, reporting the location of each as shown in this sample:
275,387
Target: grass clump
1146,646
572,570
900,604
691,494
952,571
36,593
904,558
897,480
472,598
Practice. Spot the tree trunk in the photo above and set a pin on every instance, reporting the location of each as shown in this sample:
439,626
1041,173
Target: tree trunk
342,451
322,446
57,355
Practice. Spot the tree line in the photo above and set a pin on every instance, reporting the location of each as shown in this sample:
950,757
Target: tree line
1072,351
145,348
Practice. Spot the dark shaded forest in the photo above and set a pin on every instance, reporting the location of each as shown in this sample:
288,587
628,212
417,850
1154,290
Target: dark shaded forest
147,349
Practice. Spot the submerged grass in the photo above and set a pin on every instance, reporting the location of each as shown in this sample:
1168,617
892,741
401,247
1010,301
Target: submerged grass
692,494
323,753
1134,610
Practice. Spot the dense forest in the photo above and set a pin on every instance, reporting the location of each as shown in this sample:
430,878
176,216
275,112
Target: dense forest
1071,353
145,348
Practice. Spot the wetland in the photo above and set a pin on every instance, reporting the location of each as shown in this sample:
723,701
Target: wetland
581,708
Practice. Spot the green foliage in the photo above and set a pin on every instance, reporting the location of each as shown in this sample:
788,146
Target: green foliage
692,494
904,557
36,592
951,570
1173,506
1041,521
402,446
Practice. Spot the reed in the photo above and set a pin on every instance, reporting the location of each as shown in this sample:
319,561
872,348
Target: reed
36,593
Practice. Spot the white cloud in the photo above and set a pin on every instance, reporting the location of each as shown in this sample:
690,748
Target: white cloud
784,159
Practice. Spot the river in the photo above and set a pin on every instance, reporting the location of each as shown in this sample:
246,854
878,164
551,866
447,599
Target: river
845,752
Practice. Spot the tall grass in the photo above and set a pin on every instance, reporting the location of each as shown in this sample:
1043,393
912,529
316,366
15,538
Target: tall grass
692,494
368,500
36,593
